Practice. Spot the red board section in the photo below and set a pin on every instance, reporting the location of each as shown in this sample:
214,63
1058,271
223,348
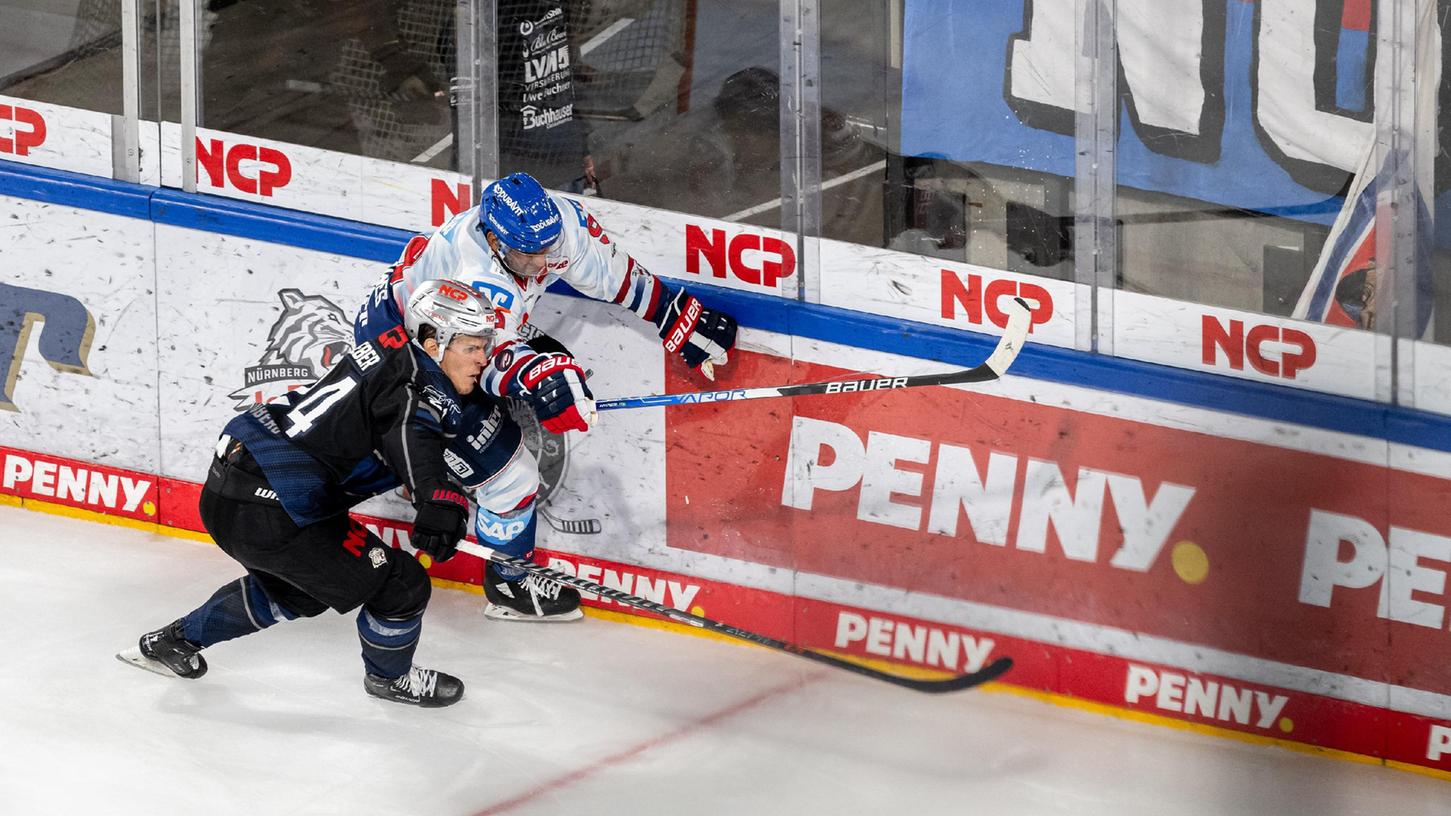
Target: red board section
113,491
1249,548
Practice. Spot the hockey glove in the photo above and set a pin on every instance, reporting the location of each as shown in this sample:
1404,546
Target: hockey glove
703,337
443,519
554,386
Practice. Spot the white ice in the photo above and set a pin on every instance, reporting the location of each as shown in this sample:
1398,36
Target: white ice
594,717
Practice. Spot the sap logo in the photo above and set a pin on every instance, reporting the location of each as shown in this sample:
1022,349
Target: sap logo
1398,563
266,168
660,590
826,456
19,142
1239,345
926,645
65,335
75,484
770,259
1440,744
500,530
445,201
1203,698
977,300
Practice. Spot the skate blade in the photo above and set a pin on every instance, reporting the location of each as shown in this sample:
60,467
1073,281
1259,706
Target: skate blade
134,657
504,613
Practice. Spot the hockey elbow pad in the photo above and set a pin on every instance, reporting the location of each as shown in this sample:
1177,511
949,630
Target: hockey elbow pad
702,337
554,386
443,519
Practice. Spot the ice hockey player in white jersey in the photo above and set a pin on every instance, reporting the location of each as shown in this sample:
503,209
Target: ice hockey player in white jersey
510,248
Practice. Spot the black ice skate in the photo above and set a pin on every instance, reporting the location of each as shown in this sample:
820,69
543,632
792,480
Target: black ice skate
531,599
425,688
166,652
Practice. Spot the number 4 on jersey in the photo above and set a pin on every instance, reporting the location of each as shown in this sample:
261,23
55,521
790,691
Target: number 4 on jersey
320,396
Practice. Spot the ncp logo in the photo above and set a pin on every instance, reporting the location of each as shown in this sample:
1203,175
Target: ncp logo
447,200
26,129
979,300
1295,354
65,335
244,167
761,260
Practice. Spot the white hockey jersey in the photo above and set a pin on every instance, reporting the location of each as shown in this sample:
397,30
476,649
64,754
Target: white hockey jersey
587,259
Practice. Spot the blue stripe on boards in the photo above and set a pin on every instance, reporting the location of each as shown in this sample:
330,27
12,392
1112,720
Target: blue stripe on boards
75,190
954,347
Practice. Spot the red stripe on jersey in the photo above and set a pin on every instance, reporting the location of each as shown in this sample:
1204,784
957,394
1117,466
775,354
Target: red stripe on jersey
657,294
1356,15
411,252
625,284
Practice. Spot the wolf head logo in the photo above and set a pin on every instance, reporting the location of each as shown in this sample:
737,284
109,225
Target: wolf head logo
307,340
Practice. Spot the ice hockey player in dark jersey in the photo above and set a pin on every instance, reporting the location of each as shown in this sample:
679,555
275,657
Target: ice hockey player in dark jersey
519,240
278,492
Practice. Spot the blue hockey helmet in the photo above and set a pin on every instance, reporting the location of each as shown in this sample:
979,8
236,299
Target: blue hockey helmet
524,218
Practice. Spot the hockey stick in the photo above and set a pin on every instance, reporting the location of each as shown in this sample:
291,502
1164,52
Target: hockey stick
991,671
1019,321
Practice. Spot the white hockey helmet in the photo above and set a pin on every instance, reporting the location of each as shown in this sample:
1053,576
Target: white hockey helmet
445,309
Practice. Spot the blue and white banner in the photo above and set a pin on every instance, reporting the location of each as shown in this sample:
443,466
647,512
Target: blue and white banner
1264,105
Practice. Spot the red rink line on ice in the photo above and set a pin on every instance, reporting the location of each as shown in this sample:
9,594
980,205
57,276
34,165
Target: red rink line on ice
621,757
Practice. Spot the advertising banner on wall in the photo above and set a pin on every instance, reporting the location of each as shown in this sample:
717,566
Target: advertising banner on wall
56,136
1260,105
78,335
1242,547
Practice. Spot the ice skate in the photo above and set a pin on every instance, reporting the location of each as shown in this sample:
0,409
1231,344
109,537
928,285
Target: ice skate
425,688
530,599
167,653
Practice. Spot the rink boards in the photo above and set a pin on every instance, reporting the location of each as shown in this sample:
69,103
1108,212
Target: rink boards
1281,580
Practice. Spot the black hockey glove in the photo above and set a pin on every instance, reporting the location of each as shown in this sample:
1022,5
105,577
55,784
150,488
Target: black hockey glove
703,337
443,519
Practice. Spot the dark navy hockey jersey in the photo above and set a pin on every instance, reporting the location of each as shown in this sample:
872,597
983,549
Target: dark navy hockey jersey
380,412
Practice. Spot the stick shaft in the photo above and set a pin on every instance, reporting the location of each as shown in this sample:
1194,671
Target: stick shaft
990,672
1019,321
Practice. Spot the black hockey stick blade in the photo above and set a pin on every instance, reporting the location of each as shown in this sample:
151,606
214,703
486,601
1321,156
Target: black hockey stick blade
1020,320
988,673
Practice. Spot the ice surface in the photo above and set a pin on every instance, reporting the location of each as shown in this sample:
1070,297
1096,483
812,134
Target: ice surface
593,717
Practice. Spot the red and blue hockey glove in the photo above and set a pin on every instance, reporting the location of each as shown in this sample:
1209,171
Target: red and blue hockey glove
702,337
443,519
554,386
